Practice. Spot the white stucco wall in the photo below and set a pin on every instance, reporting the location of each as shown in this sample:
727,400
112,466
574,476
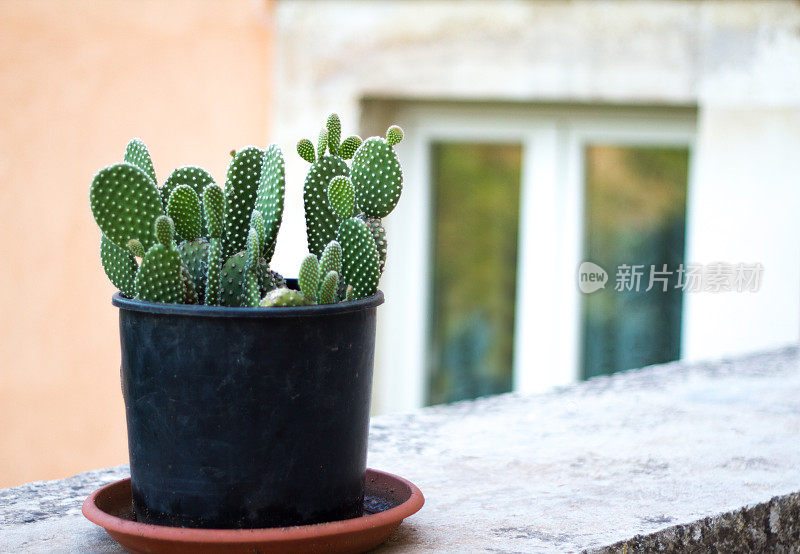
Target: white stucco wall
737,62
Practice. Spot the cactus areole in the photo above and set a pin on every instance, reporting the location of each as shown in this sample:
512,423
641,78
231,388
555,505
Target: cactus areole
247,395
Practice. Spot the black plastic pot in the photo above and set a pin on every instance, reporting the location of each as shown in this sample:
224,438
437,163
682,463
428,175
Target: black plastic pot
247,417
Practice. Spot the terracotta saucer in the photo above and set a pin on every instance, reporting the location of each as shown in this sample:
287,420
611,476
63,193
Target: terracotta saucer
389,500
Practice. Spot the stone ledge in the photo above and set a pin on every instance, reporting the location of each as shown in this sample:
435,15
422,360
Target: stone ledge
642,460
772,526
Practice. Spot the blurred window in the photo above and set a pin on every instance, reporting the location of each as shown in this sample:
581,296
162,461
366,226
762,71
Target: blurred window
635,212
475,189
501,207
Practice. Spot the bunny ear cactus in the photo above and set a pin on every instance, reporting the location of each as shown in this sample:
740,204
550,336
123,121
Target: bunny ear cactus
360,264
125,204
321,222
251,267
135,247
226,238
309,278
195,177
377,175
328,288
305,148
270,198
195,258
165,230
185,210
136,153
159,277
232,281
241,186
334,127
257,225
379,234
322,142
214,208
331,259
120,266
394,135
349,147
341,196
283,297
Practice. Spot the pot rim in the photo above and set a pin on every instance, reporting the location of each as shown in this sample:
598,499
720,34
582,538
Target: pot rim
201,310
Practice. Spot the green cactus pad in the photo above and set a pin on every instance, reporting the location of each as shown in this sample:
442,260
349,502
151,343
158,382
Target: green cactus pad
240,196
196,177
394,135
252,296
377,177
331,259
322,142
379,234
270,198
125,204
165,230
308,279
273,280
283,297
334,133
328,288
159,277
189,292
119,265
194,256
341,196
214,208
214,266
135,247
349,146
185,210
306,150
257,225
359,257
321,222
232,281
253,250
349,294
136,153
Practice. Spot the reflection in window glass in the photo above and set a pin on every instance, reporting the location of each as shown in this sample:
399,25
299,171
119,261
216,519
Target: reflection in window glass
635,213
475,218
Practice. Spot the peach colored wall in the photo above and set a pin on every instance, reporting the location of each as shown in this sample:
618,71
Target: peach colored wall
77,80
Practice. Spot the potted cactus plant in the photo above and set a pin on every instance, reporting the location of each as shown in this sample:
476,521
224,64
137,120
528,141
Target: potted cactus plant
246,394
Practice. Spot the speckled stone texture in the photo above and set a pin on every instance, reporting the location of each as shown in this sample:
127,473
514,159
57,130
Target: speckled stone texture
668,458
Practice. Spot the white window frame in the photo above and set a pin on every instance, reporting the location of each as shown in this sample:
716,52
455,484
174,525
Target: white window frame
548,313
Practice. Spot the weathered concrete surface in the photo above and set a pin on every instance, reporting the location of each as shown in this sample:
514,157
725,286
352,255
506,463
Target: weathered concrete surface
663,458
772,526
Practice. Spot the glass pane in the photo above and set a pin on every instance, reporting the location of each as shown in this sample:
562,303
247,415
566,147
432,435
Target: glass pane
475,219
635,216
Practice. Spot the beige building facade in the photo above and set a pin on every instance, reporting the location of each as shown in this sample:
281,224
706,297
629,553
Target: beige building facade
77,81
